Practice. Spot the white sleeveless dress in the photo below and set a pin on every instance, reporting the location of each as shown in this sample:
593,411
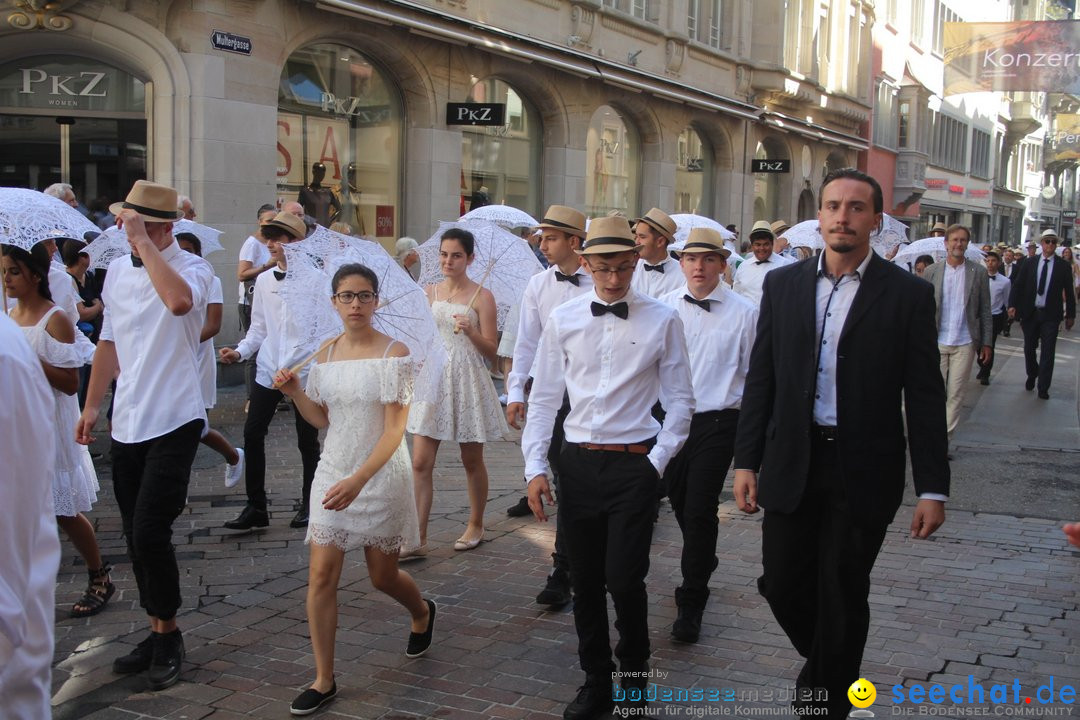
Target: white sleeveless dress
468,408
383,515
75,483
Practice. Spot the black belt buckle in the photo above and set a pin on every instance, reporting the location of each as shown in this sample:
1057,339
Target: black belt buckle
825,432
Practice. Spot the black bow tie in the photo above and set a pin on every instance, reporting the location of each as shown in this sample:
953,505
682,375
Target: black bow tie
705,304
279,275
572,279
619,310
993,277
136,262
760,262
657,268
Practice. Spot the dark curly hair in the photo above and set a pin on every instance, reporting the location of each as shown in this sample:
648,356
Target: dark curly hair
36,262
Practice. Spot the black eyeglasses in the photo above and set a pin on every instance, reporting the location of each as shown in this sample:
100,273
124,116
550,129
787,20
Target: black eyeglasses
346,297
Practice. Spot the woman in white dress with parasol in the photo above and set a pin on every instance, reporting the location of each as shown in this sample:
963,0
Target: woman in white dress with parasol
360,390
468,410
52,336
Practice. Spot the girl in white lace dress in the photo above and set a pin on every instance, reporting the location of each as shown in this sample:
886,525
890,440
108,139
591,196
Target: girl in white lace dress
468,412
360,391
52,336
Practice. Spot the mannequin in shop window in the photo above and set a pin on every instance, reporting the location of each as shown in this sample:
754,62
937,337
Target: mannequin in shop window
318,201
479,197
349,198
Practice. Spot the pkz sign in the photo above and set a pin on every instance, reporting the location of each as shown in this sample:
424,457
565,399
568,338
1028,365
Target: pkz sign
770,166
482,114
67,83
230,43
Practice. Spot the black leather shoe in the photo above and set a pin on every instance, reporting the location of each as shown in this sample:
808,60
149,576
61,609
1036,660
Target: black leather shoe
557,590
984,381
299,519
687,626
1044,395
521,509
1030,384
136,661
420,642
632,702
168,660
250,517
311,700
593,699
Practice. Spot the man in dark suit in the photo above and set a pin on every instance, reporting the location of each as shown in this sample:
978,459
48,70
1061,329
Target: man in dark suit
844,341
1036,301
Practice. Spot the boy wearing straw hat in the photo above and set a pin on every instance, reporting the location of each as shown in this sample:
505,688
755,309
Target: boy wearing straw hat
155,303
611,351
720,326
562,232
657,274
274,337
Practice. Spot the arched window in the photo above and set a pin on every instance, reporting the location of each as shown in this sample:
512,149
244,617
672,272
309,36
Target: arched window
501,165
614,158
693,174
339,140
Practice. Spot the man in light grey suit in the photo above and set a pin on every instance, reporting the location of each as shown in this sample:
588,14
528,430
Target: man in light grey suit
965,324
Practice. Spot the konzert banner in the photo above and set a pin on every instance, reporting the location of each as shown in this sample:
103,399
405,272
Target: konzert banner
1032,55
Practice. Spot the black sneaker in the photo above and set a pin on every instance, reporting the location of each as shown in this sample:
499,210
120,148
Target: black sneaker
594,698
311,700
250,517
168,660
136,661
300,519
420,642
632,702
521,509
557,590
687,626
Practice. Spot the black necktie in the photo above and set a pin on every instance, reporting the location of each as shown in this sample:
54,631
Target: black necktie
136,262
279,275
703,304
619,310
572,279
1042,277
657,268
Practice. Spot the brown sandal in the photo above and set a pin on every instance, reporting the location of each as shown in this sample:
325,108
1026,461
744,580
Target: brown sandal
97,594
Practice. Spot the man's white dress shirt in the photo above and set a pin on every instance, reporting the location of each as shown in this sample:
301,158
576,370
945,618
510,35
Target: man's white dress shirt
256,253
158,388
718,341
655,283
750,276
543,294
1045,264
31,554
999,293
273,333
613,370
953,330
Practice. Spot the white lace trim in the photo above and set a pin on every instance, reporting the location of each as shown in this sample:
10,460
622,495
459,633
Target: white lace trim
345,540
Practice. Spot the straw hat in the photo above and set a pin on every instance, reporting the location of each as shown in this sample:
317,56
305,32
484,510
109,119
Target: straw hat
938,227
1048,233
762,227
608,235
153,202
661,222
703,240
780,227
567,219
289,223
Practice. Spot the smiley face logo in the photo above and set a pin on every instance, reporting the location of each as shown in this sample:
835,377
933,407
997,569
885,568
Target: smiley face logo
862,693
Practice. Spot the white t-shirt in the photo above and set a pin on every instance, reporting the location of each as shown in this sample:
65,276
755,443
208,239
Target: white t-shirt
255,252
207,356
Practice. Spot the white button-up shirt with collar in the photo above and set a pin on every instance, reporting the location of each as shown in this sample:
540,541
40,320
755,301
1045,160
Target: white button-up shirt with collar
158,388
750,276
999,293
718,341
273,333
1044,264
954,330
833,298
543,294
613,370
655,283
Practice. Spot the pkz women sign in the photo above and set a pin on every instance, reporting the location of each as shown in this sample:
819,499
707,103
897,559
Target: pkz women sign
68,84
1008,56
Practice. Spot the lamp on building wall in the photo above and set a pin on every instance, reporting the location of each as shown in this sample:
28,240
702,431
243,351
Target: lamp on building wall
632,57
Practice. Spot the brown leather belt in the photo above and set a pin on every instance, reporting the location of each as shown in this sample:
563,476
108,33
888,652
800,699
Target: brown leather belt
635,449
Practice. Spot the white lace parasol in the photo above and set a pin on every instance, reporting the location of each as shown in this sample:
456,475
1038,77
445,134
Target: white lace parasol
503,263
28,217
403,312
209,238
685,222
892,233
502,215
109,245
935,248
806,234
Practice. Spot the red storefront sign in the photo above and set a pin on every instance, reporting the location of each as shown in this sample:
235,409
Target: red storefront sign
936,183
384,221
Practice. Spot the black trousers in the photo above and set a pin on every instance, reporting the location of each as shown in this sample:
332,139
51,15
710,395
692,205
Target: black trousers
998,325
817,562
261,408
150,480
694,479
559,559
244,312
607,504
1040,363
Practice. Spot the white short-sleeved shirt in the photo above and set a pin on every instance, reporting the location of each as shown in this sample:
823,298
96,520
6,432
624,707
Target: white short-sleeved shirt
256,253
207,356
